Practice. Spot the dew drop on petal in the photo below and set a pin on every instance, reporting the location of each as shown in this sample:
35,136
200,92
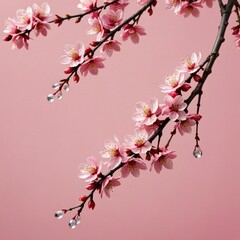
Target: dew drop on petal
72,223
197,152
59,95
66,87
59,214
50,98
55,85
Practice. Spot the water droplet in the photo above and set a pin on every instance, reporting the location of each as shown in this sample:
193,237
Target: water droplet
78,219
197,152
55,85
72,223
59,95
66,87
50,97
59,214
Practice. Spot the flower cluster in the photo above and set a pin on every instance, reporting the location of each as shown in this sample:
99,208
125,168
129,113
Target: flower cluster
187,7
133,155
35,18
104,22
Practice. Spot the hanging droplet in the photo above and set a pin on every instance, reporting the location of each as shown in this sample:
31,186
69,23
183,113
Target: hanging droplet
72,223
59,214
50,97
197,152
59,95
55,85
66,87
78,219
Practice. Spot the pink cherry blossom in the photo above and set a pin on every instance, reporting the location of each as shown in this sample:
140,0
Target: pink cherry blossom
19,41
114,153
92,65
11,27
108,185
112,19
110,46
24,19
120,4
86,5
74,54
190,64
138,143
149,129
133,166
188,8
96,27
142,2
18,38
42,16
90,170
174,5
147,113
173,82
132,32
209,3
186,125
164,158
174,108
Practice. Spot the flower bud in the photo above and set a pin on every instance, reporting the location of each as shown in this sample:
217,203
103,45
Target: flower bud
88,51
90,186
173,94
185,87
93,43
91,204
7,38
197,78
78,20
68,70
76,78
235,30
83,198
150,11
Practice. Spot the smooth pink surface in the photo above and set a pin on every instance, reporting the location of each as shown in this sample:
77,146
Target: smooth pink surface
42,144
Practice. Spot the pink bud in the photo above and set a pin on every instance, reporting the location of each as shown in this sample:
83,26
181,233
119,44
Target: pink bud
197,78
93,43
91,204
173,94
76,78
68,70
150,11
91,186
83,198
196,117
235,30
7,38
88,51
185,87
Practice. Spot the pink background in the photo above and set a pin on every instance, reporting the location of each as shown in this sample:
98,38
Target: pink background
42,144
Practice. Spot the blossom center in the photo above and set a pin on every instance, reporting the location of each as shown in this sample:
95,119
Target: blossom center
172,80
74,55
147,111
90,169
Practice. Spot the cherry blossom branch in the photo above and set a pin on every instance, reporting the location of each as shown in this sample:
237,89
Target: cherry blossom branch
91,51
206,67
59,20
210,60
